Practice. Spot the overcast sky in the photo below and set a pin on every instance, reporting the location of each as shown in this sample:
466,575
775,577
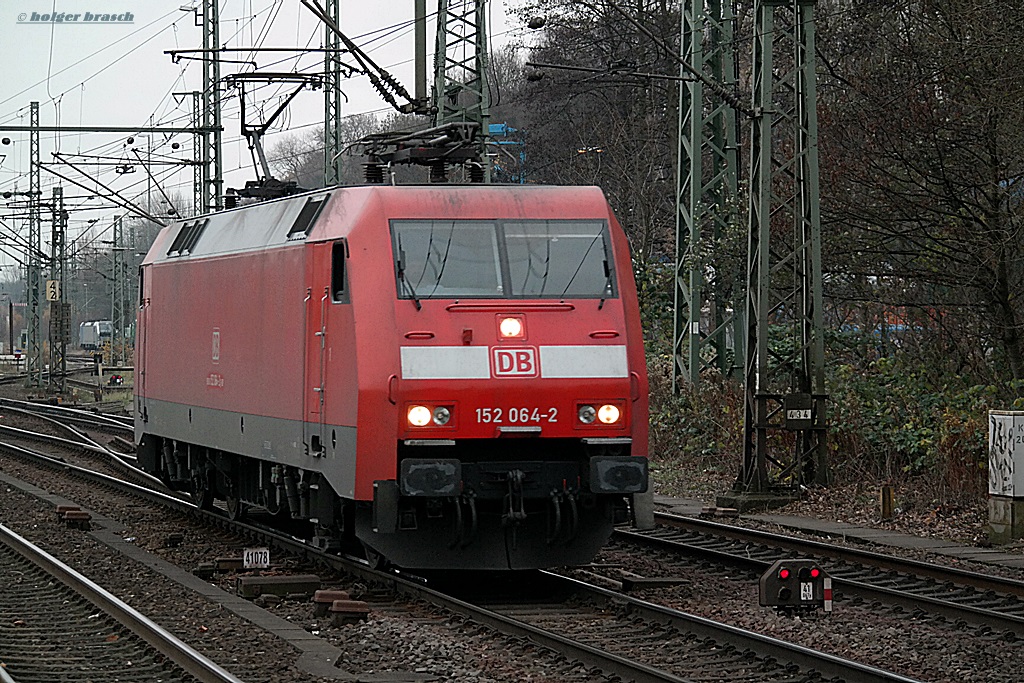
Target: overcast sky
92,70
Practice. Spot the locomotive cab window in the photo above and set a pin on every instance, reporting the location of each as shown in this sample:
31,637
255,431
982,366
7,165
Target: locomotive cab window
558,258
339,293
447,259
142,296
503,259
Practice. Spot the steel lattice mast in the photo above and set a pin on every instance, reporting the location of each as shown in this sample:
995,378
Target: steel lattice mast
199,203
60,311
332,97
706,199
210,158
34,267
118,303
785,379
461,93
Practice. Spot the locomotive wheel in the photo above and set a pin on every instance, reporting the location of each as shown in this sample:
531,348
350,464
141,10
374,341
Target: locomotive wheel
202,491
376,560
236,508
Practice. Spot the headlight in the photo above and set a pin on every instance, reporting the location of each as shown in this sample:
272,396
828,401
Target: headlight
608,414
419,416
511,327
586,414
442,415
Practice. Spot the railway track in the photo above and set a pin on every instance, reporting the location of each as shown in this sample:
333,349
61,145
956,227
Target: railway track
858,575
68,416
604,630
583,623
641,641
60,626
73,449
76,366
83,425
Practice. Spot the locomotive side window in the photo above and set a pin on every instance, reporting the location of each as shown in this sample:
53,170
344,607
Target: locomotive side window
187,237
503,260
558,259
307,217
338,252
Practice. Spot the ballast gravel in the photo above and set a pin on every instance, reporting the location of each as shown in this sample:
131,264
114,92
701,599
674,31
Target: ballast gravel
396,643
419,643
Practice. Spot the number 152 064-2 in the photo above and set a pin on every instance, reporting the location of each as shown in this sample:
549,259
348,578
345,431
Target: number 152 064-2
516,415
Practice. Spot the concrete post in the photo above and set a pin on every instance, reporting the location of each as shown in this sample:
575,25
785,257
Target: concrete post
1005,475
643,510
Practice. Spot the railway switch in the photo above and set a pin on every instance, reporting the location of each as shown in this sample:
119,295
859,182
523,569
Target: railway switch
796,585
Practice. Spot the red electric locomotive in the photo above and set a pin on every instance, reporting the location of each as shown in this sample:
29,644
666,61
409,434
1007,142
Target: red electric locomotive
452,376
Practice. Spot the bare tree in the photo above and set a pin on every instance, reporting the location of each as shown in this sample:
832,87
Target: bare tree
603,120
300,157
923,151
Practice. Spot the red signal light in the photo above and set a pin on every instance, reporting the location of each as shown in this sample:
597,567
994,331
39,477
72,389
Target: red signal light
783,573
815,573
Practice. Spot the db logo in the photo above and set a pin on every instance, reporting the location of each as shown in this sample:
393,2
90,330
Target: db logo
521,362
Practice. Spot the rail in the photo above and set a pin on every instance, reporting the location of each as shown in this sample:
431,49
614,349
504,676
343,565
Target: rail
192,662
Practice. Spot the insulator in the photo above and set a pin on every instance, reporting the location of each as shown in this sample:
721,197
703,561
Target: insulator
438,173
373,173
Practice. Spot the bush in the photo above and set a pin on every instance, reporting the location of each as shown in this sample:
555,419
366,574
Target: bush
697,436
892,418
898,416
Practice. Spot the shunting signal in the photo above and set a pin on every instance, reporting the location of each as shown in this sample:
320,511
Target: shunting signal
796,585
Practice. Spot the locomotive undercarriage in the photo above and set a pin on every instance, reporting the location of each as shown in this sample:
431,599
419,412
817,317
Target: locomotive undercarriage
290,495
479,505
457,509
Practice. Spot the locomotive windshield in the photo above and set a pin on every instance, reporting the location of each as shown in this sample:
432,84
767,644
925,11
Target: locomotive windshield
502,259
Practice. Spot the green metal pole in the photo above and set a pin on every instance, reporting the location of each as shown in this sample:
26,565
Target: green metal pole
707,171
461,91
332,97
213,172
33,260
784,381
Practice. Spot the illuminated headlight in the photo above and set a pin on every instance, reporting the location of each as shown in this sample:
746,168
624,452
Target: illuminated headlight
587,414
419,416
441,415
511,327
607,414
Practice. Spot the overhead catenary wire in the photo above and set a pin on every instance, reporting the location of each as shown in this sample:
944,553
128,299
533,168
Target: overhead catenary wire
374,40
370,36
150,174
122,201
103,49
